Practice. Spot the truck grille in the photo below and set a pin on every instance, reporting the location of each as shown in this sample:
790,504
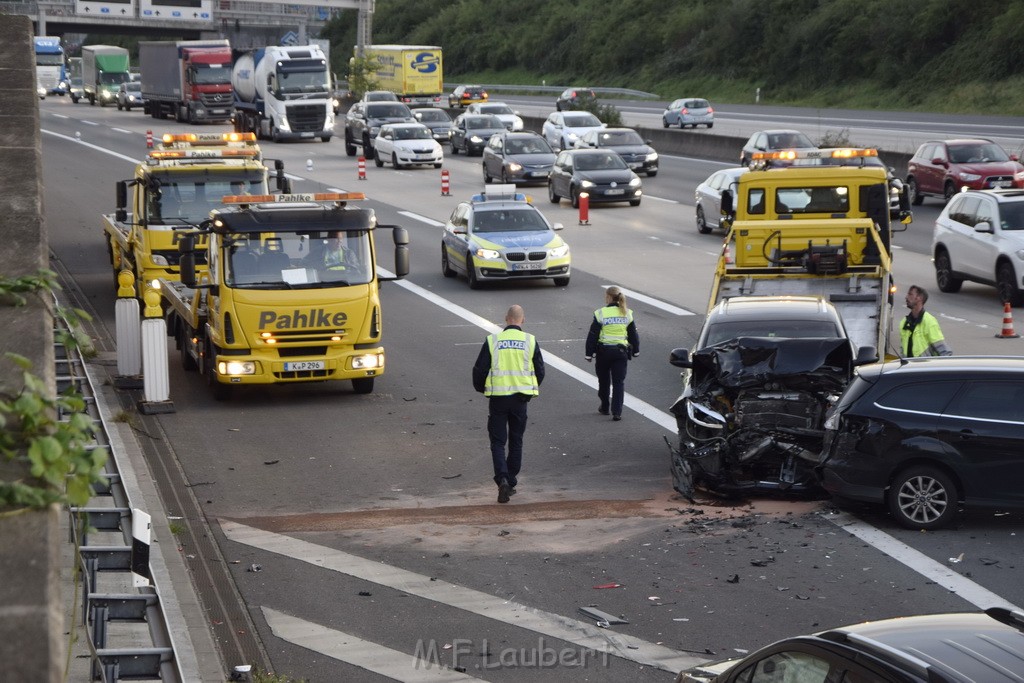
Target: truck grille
216,99
307,117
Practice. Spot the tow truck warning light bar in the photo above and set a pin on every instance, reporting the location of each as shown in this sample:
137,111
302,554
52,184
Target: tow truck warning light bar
832,153
165,155
171,139
292,198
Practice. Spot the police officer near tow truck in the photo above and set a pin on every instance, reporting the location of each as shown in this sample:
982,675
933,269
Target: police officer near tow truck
509,371
614,340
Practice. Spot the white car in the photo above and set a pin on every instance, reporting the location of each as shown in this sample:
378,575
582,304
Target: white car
563,128
979,236
510,118
708,197
406,144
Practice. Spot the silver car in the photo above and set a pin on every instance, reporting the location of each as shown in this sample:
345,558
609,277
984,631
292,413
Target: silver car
708,198
689,111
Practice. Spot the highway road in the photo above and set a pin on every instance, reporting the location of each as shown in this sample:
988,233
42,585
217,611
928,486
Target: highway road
357,538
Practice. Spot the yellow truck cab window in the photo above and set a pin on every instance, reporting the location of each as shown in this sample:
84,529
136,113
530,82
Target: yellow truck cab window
292,260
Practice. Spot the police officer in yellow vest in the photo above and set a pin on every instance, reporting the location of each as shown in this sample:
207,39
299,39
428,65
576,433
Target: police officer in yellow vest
614,340
919,332
508,371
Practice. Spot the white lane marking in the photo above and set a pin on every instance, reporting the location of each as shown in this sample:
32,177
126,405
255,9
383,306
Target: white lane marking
91,146
424,219
578,633
60,116
642,407
675,310
658,239
122,130
362,653
90,123
661,199
956,583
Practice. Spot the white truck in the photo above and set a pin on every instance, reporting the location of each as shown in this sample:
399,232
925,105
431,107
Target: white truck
283,93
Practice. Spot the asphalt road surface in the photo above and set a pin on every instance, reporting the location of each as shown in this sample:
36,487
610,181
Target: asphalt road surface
372,520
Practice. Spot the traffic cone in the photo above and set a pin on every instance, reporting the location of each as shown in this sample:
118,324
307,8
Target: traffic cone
1007,332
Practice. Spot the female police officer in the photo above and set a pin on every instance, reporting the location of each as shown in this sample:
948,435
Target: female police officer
614,340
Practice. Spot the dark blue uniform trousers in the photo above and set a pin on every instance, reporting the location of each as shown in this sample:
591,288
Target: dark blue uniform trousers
506,421
610,368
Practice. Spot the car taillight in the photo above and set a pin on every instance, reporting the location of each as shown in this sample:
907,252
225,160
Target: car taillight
710,110
684,110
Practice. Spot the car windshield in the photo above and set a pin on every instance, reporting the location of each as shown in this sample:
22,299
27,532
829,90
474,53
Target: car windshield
975,154
599,162
382,111
133,86
188,198
806,329
620,137
481,122
432,115
581,120
412,133
508,220
496,109
538,146
380,97
788,140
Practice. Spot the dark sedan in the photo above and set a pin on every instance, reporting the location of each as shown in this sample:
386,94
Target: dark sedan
518,158
601,173
627,143
472,131
438,121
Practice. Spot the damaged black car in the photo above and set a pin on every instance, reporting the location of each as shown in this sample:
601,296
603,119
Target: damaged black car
751,415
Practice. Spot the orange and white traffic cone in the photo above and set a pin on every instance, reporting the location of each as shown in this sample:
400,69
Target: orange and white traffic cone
1007,332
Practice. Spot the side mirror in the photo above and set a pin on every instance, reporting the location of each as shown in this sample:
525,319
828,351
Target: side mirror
865,355
122,200
558,226
727,206
401,238
187,260
983,226
680,358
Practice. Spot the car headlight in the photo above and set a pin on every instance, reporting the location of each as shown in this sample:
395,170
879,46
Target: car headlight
586,183
653,156
159,260
968,177
1019,254
236,367
635,182
517,124
476,139
558,252
1018,176
370,360
514,167
487,254
573,136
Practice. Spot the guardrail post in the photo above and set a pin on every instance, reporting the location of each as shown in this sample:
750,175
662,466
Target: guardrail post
126,322
156,381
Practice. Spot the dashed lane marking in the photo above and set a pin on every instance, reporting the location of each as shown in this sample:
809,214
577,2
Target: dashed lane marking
579,633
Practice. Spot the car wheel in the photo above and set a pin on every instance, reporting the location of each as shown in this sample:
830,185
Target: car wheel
119,107
363,385
367,146
1006,285
377,161
188,363
221,392
711,125
455,149
487,176
634,202
552,195
561,281
350,147
651,174
394,160
574,197
702,221
471,277
923,497
664,122
437,165
912,191
446,268
948,190
944,273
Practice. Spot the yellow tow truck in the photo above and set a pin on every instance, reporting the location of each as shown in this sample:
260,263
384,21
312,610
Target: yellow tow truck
291,294
820,226
172,191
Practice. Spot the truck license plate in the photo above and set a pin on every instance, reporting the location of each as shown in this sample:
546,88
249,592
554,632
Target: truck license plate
528,266
302,365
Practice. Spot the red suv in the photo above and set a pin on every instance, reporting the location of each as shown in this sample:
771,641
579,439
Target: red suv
940,168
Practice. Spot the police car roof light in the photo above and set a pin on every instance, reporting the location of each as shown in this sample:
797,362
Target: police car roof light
500,193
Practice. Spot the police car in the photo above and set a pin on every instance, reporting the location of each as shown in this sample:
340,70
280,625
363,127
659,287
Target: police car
500,235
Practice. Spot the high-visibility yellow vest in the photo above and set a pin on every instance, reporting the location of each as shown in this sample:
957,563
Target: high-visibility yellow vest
925,334
613,325
511,364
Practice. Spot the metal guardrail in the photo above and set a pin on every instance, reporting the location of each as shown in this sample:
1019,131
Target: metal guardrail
102,534
499,87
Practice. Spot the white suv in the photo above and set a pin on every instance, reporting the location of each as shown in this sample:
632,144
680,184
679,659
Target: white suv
979,236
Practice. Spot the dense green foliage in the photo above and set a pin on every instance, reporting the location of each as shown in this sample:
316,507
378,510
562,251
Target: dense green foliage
939,55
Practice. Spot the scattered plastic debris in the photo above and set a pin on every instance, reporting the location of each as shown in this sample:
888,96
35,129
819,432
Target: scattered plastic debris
454,476
680,619
365,594
609,585
988,562
600,616
255,567
271,462
735,578
956,560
